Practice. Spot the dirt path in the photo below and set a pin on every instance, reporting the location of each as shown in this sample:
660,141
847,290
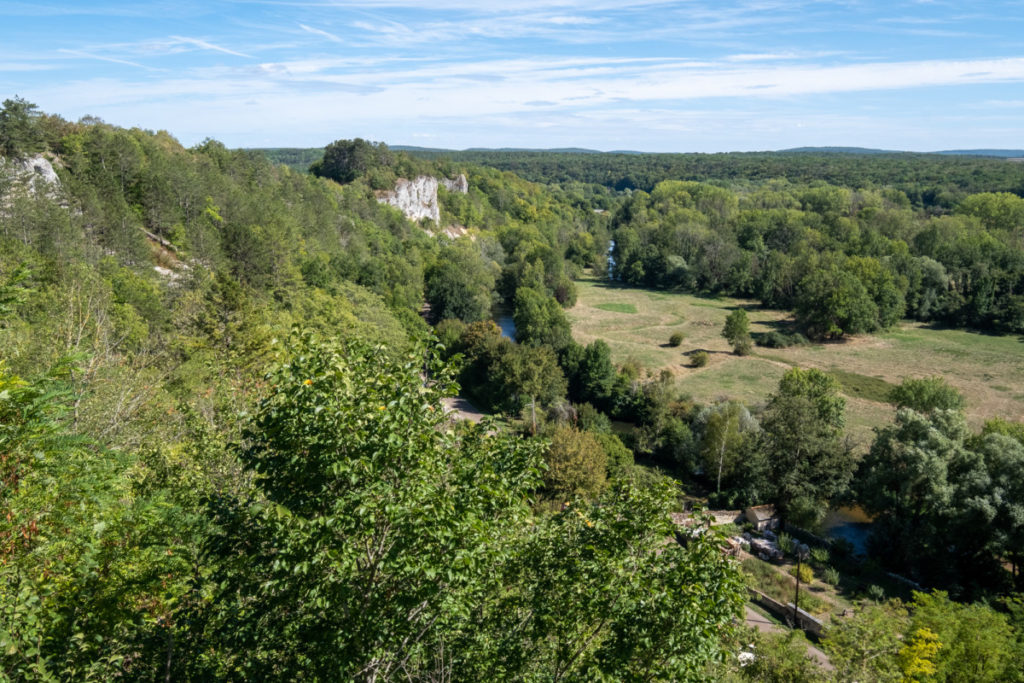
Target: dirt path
462,409
765,625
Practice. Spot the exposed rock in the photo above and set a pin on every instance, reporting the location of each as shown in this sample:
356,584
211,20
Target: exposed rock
460,184
417,198
32,173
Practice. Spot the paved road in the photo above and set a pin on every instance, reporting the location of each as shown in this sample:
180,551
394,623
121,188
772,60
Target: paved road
764,624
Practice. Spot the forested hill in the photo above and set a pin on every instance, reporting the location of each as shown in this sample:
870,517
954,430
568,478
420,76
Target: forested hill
225,452
929,180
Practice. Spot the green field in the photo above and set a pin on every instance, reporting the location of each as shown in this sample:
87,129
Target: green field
636,323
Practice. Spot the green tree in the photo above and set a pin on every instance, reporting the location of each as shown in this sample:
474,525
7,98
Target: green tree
737,332
577,465
380,544
807,464
926,395
904,483
865,645
20,135
540,320
460,284
532,372
345,160
832,302
724,429
378,528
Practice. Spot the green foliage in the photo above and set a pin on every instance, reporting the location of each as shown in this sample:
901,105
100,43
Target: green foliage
346,160
806,574
725,431
927,395
386,539
805,465
460,284
20,135
864,646
675,339
699,359
737,332
830,575
577,465
540,320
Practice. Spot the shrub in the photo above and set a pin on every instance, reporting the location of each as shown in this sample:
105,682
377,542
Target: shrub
786,543
676,339
819,556
876,593
831,576
806,574
699,359
778,340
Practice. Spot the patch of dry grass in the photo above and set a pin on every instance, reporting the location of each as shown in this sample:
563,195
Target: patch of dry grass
988,370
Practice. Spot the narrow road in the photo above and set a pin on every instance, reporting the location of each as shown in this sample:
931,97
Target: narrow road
765,625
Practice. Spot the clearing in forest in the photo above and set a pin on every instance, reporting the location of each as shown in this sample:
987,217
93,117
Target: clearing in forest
987,369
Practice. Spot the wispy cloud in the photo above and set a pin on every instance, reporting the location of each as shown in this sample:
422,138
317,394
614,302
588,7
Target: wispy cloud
89,55
208,46
320,32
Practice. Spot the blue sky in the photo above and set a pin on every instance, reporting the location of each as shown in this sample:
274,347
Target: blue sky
603,74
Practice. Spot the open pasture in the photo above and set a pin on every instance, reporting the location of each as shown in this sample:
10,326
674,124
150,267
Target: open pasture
988,370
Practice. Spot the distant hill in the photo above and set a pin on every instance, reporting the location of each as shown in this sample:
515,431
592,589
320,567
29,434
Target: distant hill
837,150
1007,153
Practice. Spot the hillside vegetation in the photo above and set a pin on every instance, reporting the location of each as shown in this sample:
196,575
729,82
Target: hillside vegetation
224,451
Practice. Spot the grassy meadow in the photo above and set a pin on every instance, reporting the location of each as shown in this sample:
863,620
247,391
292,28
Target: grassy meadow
637,323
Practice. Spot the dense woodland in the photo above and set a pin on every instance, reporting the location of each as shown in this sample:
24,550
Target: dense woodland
224,451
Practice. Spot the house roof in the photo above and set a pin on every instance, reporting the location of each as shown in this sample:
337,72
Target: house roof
761,512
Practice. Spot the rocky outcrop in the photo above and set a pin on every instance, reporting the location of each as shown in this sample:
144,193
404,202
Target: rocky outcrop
32,174
460,184
417,198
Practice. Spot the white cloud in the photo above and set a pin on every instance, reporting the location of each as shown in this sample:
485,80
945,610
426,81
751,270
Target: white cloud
321,33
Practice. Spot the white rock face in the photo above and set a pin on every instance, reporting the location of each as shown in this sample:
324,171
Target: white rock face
417,198
459,184
35,173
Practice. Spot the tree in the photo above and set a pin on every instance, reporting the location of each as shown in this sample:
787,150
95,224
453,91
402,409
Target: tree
460,284
381,544
724,428
577,465
926,395
832,303
378,528
865,646
20,135
532,372
808,466
904,483
737,332
540,320
346,160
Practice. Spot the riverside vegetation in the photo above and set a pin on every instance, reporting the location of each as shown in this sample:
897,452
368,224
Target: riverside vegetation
224,453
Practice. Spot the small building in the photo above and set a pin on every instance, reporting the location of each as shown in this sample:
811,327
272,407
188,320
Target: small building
762,517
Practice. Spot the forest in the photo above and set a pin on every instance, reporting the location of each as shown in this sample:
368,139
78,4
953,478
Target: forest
226,450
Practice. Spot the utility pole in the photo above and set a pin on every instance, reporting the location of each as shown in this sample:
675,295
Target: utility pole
801,556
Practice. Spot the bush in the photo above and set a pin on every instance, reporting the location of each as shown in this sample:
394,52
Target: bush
831,576
676,339
786,543
819,556
876,593
806,574
699,359
778,340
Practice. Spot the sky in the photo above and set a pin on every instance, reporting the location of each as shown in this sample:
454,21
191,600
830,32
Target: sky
646,75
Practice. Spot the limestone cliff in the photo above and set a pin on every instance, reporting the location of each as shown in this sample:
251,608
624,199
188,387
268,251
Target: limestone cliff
417,198
34,173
